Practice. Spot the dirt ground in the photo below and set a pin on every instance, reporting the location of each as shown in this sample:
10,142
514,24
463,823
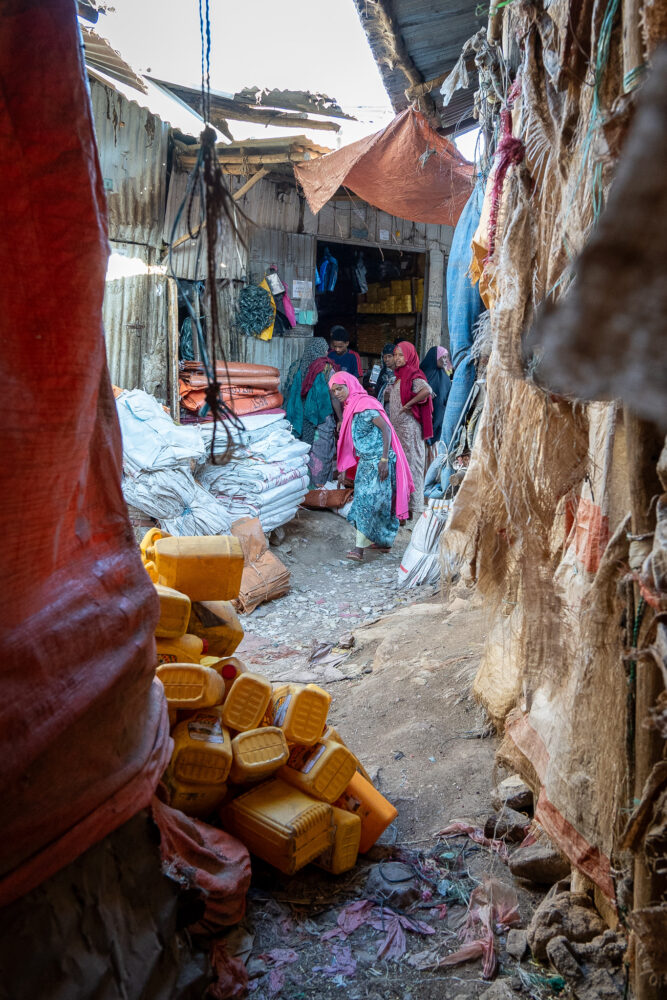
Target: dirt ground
401,700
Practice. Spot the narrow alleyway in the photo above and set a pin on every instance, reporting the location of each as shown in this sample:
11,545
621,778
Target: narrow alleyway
401,699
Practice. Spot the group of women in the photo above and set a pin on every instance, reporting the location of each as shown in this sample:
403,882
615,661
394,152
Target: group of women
382,440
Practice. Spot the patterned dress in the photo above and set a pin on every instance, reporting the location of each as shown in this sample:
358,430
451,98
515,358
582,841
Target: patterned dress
409,433
372,510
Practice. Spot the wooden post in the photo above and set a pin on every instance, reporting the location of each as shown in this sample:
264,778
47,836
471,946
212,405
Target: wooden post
433,298
172,354
644,444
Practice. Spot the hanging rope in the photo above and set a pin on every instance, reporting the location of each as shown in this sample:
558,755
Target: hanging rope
208,204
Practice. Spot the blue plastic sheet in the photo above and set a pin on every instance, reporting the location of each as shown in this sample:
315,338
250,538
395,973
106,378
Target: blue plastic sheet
464,306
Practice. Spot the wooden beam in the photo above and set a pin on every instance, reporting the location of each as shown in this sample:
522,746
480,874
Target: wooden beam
250,183
644,444
381,21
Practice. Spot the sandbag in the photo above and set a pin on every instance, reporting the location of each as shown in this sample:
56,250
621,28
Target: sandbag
264,576
83,729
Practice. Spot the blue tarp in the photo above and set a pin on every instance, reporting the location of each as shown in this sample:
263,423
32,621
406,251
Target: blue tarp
464,306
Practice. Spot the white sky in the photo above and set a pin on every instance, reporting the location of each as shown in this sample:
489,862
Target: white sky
316,45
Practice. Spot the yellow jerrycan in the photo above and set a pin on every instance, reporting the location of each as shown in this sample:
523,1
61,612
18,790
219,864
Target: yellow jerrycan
202,752
194,800
246,702
374,811
257,754
174,613
189,685
323,770
185,649
229,668
217,623
206,567
332,734
300,710
342,855
280,824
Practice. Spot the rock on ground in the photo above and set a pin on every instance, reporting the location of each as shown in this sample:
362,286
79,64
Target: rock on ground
563,914
541,862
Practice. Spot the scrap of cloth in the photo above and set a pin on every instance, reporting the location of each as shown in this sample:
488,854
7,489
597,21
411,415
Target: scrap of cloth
407,170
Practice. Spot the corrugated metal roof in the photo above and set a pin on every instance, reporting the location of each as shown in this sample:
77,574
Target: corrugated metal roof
101,55
133,146
433,33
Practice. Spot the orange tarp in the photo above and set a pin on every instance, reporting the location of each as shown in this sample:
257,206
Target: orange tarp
406,170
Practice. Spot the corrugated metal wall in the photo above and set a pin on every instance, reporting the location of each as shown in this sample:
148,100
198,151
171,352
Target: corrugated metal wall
134,313
281,207
234,258
133,145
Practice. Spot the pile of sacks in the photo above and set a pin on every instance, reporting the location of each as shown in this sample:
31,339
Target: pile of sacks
168,475
268,477
158,459
244,388
260,759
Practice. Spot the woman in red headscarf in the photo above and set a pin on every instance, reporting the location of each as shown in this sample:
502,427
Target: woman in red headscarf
411,413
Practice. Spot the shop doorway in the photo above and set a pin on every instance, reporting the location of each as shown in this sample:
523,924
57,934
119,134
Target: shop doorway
378,296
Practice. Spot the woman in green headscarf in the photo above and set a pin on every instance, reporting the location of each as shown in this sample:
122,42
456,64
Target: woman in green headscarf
310,411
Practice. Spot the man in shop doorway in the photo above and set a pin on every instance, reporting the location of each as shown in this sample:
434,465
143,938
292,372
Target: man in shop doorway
349,361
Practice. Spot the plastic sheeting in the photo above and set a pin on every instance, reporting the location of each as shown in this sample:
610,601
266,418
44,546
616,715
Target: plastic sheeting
464,306
407,170
83,729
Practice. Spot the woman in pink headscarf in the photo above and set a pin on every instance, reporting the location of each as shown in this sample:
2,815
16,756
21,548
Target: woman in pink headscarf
369,449
411,413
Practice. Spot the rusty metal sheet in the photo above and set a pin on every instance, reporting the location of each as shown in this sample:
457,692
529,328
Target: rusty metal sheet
133,145
134,313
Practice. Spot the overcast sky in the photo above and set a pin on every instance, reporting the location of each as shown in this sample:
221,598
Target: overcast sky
316,45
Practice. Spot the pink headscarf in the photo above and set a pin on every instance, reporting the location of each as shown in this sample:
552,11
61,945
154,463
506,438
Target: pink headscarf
357,401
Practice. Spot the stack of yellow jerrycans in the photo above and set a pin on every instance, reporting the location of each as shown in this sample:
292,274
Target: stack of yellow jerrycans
259,757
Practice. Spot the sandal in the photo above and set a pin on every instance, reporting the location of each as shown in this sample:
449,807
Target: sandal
381,548
354,556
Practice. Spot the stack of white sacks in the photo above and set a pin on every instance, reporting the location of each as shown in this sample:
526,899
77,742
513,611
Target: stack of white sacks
169,476
268,477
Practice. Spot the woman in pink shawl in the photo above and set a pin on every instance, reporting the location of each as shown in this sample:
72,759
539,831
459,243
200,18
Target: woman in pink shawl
369,449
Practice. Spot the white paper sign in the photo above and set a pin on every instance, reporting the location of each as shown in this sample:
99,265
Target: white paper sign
384,234
301,289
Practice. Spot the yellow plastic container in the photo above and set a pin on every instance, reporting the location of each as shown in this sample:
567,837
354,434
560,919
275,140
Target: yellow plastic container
332,734
257,755
323,770
174,613
281,825
185,649
206,568
148,541
217,623
202,752
229,668
342,855
247,701
194,800
374,811
301,712
189,685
